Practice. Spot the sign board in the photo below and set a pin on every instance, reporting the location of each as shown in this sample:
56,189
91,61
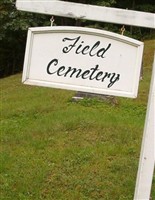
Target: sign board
83,59
88,12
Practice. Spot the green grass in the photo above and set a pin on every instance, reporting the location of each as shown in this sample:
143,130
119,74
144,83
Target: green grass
56,149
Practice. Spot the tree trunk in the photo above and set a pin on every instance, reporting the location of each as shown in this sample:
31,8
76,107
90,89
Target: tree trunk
133,8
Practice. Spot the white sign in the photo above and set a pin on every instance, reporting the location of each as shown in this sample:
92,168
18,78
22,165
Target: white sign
90,12
83,59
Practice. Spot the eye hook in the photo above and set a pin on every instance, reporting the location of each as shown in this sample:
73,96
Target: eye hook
52,20
122,30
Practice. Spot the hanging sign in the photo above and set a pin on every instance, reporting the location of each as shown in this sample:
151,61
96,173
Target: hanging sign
83,59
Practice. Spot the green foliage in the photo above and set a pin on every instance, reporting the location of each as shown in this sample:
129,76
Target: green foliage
107,3
13,31
146,7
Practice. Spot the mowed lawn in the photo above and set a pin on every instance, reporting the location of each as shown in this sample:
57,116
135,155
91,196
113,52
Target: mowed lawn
55,149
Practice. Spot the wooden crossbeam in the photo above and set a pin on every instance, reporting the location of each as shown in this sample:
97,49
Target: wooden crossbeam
88,12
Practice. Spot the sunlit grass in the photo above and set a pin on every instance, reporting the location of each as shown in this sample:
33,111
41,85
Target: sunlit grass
56,149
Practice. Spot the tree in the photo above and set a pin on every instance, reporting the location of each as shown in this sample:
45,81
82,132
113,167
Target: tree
13,31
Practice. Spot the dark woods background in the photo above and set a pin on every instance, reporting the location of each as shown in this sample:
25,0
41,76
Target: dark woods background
14,25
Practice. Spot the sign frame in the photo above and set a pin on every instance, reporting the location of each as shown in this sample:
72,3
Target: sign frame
136,45
117,16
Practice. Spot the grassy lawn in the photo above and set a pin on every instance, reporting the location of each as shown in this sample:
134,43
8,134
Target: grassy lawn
56,149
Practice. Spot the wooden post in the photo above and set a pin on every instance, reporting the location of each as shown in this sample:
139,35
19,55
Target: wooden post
147,157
